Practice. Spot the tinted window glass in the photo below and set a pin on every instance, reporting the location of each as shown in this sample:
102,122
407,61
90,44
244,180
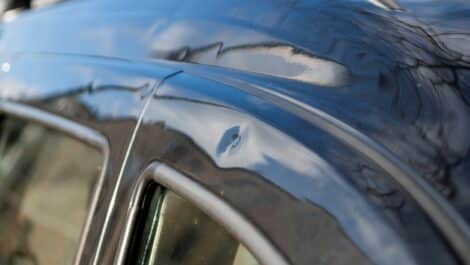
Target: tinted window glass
46,184
176,232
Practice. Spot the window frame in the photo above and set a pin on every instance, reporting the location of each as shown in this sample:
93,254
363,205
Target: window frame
77,131
211,204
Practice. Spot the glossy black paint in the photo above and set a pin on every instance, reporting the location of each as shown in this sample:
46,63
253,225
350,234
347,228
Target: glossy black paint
396,72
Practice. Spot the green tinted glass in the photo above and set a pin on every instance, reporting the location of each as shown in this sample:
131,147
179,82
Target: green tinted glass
176,232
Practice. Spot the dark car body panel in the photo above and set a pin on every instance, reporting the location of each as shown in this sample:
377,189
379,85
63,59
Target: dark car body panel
320,121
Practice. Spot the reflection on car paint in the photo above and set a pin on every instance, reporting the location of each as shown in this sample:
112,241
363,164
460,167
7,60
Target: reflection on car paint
278,60
400,78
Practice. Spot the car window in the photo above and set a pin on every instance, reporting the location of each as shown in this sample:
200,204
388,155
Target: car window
46,183
173,231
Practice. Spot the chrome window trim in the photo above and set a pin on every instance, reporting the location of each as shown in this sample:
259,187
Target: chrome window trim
215,207
77,131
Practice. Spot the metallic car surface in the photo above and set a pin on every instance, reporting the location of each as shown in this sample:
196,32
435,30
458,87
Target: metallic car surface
353,111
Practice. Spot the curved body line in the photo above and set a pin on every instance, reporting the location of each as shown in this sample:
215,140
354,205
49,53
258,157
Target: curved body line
112,202
444,215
